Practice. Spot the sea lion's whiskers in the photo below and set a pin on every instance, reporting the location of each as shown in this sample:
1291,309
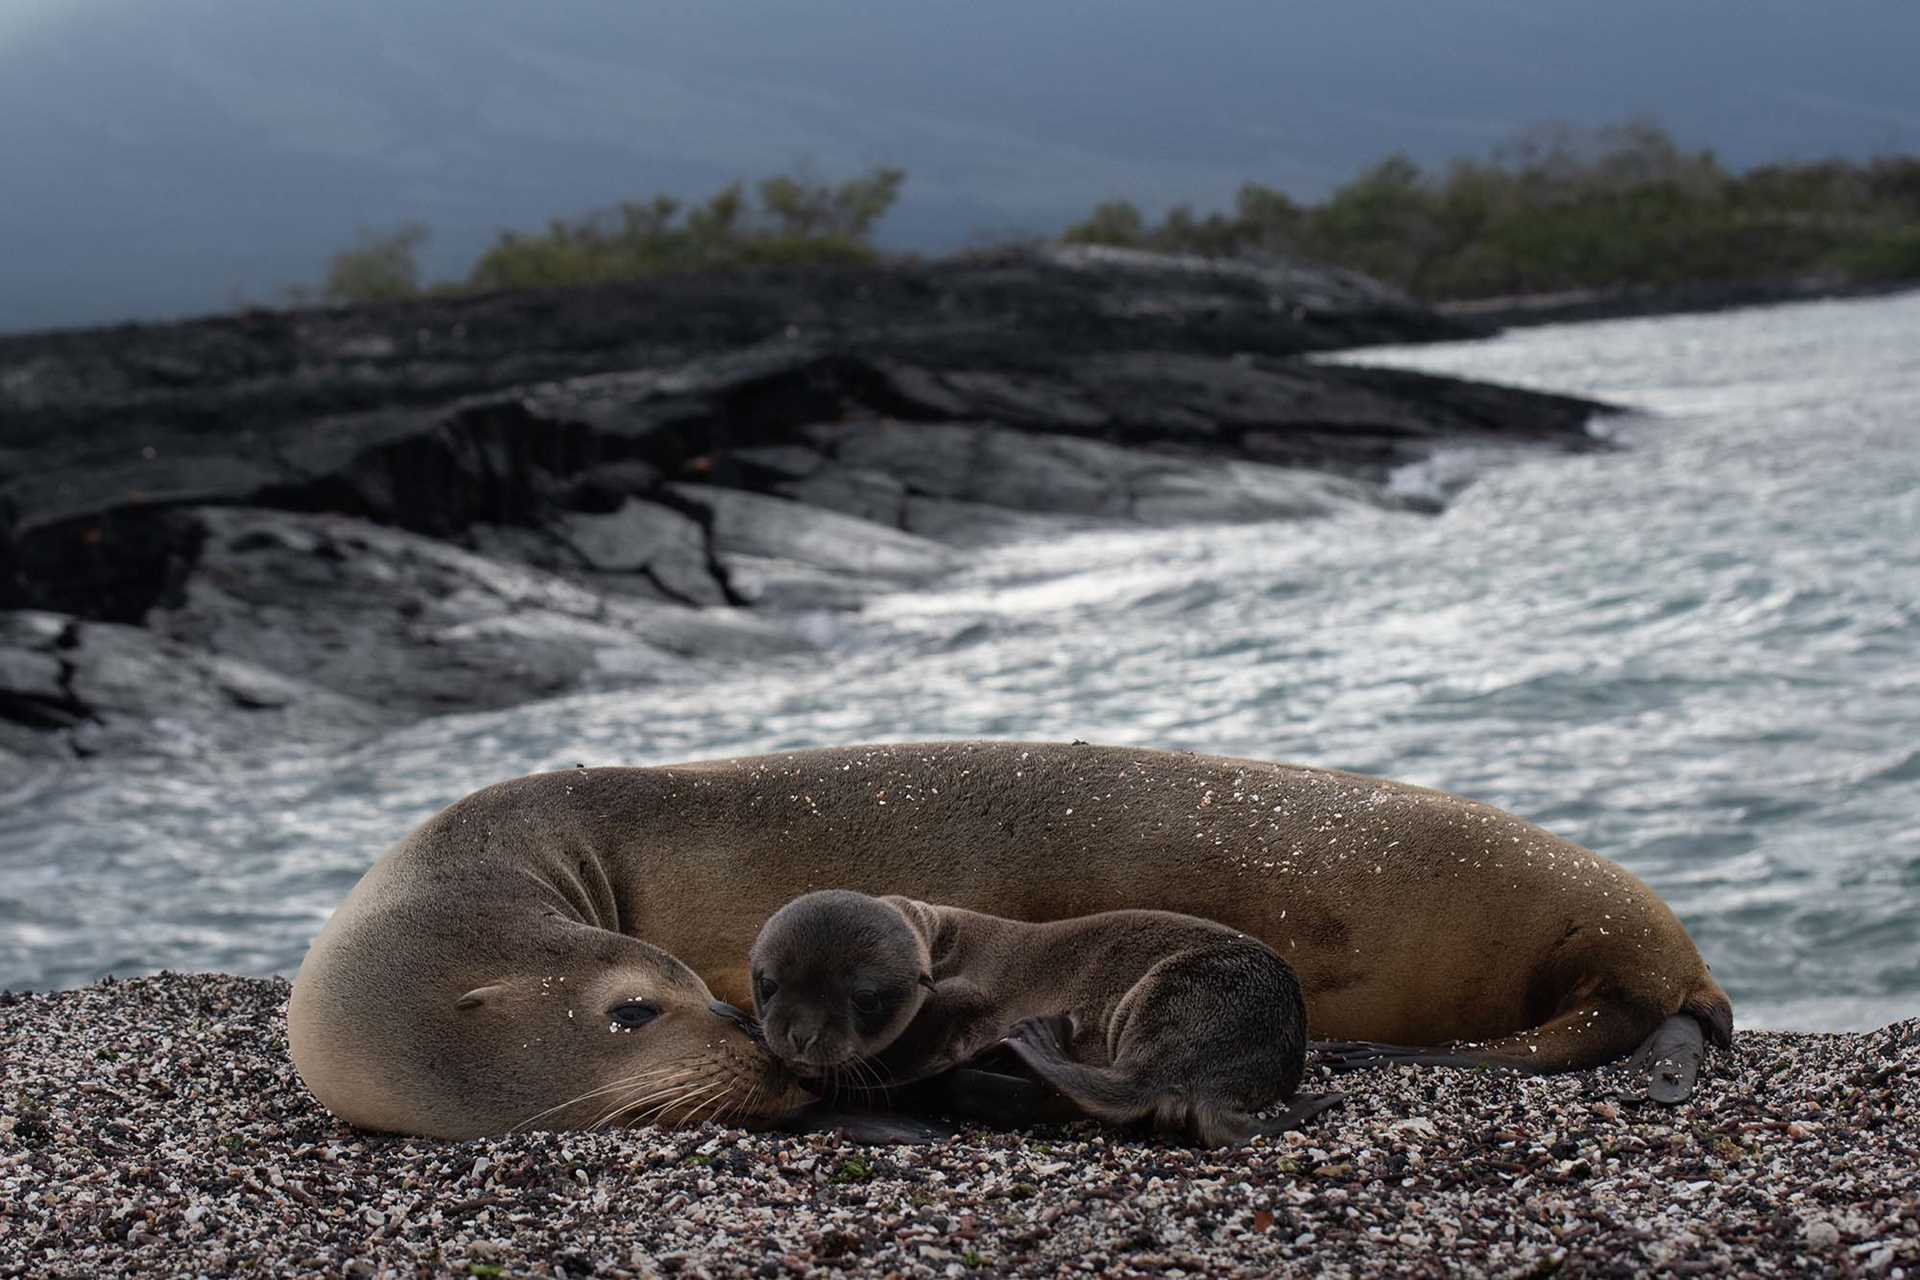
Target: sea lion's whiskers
733,1102
718,1099
837,1082
879,1072
678,1067
744,1106
688,1080
675,1070
653,1115
657,1100
666,1098
647,1084
561,1106
857,1076
642,1082
679,1070
861,1076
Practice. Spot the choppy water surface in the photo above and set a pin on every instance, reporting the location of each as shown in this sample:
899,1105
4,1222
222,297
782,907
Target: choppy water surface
1699,655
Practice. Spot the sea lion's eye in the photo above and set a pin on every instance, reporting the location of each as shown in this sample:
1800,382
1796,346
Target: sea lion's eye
632,1014
866,1000
767,986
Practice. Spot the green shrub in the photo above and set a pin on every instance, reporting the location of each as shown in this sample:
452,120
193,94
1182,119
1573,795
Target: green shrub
381,267
798,222
1891,255
1557,208
1114,222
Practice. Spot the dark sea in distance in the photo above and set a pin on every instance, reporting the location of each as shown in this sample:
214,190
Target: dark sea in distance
1698,654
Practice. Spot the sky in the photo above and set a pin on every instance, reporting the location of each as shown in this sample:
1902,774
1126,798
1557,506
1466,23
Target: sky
167,157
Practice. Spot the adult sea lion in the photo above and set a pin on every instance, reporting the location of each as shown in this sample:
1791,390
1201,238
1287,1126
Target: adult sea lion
1133,1017
1412,917
458,993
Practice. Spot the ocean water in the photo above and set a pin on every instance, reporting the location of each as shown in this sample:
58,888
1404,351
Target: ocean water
1698,654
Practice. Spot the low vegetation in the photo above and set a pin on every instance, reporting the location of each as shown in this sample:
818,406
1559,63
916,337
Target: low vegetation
791,221
1555,209
381,267
1559,209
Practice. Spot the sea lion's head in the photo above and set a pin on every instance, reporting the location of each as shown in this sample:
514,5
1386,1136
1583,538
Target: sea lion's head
837,976
455,1030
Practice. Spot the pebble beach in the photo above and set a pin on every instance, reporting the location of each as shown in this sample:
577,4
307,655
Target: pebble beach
156,1126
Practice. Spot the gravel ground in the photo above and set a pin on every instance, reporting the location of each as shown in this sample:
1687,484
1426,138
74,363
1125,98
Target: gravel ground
157,1126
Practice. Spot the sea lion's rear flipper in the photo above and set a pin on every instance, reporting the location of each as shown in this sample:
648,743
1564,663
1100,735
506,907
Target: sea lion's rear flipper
1342,1056
1041,1045
1113,1095
1591,1034
1214,1125
1671,1057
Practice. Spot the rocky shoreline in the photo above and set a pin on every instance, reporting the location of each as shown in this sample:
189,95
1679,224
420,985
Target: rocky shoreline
157,1126
301,526
1575,305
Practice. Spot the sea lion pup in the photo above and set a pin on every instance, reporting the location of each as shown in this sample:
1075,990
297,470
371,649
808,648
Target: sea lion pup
1135,1017
1412,917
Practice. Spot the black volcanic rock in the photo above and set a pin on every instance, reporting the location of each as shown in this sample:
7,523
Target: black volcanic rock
470,503
417,626
227,375
91,688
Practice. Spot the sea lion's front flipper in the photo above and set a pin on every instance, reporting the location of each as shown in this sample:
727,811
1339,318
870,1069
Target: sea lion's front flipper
994,1098
965,1094
1671,1057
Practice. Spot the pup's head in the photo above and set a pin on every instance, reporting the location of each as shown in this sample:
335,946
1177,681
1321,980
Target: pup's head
837,976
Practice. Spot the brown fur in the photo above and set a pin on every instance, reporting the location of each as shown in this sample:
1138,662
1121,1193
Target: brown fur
1411,916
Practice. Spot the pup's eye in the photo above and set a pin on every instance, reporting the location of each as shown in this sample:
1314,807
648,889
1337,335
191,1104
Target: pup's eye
633,1014
866,1000
766,986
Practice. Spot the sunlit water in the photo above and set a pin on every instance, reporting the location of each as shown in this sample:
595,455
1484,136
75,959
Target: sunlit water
1699,654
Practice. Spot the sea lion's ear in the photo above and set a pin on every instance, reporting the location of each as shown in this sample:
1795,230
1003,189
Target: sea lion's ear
926,980
478,996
